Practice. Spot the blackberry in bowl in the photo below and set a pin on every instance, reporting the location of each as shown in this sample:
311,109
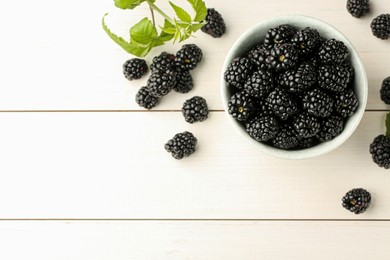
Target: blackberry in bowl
303,84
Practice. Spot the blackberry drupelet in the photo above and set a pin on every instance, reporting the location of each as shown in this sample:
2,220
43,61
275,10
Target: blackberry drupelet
241,106
333,77
358,8
184,82
385,90
282,57
330,128
215,25
286,138
356,200
135,68
281,104
348,66
380,26
307,41
305,143
163,62
318,103
262,128
380,151
161,83
299,79
259,84
195,109
279,35
332,51
145,99
306,125
346,103
188,57
237,72
258,55
181,145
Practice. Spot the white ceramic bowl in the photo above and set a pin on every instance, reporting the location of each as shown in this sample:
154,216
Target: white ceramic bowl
256,34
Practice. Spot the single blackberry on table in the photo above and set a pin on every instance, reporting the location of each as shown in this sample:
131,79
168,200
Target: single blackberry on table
215,25
279,35
145,99
380,26
259,84
358,8
299,79
241,106
385,90
307,41
258,55
282,57
237,72
380,150
332,51
330,128
318,103
161,83
281,104
184,82
262,128
286,138
356,200
181,145
163,62
333,77
188,57
346,103
306,125
195,109
135,68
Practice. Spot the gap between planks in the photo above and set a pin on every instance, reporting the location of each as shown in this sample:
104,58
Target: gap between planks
129,111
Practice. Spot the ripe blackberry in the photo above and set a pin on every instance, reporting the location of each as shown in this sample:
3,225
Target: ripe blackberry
262,128
385,90
318,103
348,66
164,61
356,200
286,138
380,151
299,79
195,109
241,106
161,83
346,103
184,82
306,125
281,104
305,143
258,55
332,51
145,99
237,72
282,57
259,84
380,26
333,77
279,35
135,68
358,8
215,25
188,57
330,128
181,145
307,41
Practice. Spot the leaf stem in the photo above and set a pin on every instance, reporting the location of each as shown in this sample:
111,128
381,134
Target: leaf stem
152,12
158,10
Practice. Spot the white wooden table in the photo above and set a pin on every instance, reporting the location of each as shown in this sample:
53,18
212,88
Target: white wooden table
83,171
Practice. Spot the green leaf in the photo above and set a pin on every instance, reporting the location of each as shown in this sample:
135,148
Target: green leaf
167,32
119,40
387,122
195,27
181,13
128,4
143,32
200,9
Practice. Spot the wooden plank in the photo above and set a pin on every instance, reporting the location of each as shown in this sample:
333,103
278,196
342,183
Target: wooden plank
113,165
194,240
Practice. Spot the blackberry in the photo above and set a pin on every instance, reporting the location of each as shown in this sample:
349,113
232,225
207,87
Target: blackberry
281,104
286,138
380,151
356,200
358,8
318,103
332,51
237,72
262,128
345,103
348,66
145,99
258,55
135,68
161,83
333,77
241,106
259,84
306,125
385,90
188,57
330,128
307,41
309,142
181,145
195,109
298,80
164,61
184,82
279,35
282,57
380,26
215,25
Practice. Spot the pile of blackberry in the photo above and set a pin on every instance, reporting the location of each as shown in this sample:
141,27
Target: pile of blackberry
293,90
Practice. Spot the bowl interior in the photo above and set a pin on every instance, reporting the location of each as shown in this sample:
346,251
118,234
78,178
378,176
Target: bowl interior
255,35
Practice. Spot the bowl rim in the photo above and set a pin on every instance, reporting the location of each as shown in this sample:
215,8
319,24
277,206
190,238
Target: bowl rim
362,95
